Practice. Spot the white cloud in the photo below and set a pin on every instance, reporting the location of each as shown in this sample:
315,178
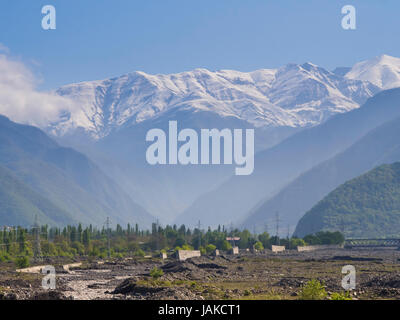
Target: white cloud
21,101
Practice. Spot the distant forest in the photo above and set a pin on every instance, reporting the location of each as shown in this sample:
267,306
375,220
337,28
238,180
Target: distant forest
22,245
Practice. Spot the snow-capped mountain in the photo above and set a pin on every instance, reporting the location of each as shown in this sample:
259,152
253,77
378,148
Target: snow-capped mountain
292,96
383,71
116,113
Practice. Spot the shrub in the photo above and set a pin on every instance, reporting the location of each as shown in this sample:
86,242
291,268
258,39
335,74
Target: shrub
118,255
226,246
341,296
5,257
95,252
264,238
210,248
296,242
258,246
313,290
156,273
179,242
22,262
140,253
187,247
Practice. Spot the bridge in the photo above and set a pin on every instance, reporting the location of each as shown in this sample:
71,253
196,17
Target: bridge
371,243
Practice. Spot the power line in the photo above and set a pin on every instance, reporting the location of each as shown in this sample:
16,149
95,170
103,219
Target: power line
199,226
37,250
277,220
108,237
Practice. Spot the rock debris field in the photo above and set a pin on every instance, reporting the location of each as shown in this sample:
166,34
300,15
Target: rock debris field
256,276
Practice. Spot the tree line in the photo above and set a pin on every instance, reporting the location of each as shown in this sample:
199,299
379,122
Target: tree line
73,241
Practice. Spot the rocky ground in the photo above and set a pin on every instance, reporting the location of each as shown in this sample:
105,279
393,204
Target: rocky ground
245,276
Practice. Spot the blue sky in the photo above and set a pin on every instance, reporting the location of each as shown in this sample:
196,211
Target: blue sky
96,39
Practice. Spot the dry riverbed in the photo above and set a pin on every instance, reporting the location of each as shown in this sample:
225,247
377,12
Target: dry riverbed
245,276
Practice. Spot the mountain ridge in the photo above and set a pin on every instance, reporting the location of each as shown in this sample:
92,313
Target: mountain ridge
367,206
278,166
65,177
378,146
294,95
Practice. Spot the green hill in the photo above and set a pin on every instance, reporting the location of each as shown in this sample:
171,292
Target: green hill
365,207
19,204
66,178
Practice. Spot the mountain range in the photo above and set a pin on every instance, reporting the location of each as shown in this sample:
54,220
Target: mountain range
376,146
291,96
115,114
278,166
302,115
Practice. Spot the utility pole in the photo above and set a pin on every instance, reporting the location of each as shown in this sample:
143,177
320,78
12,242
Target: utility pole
199,226
277,228
37,250
157,236
108,236
342,226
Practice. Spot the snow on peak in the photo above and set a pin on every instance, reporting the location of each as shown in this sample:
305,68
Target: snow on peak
383,71
294,95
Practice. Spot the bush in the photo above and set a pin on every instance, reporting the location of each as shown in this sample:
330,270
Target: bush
312,239
187,247
156,273
226,246
118,255
22,262
210,248
264,238
4,257
258,246
313,290
140,253
296,242
95,252
341,296
179,242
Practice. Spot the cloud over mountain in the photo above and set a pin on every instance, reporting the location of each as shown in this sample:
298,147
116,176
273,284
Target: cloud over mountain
19,98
